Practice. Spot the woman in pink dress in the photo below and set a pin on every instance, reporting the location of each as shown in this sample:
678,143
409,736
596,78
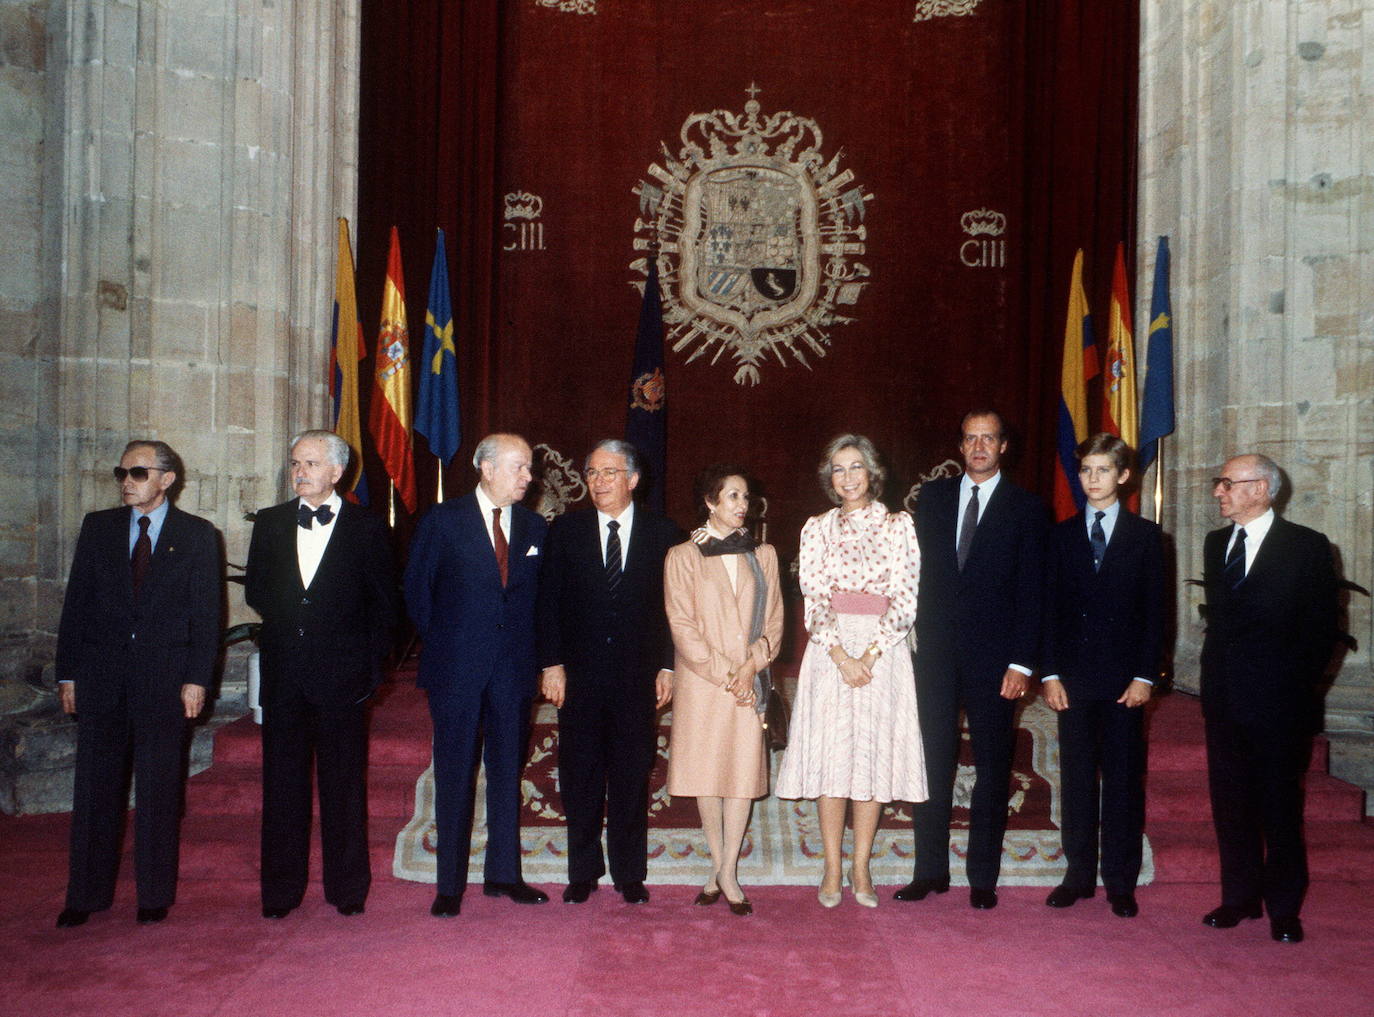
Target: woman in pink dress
724,607
855,742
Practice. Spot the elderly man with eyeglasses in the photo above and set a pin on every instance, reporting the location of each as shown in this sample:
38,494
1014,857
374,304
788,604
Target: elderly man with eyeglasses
1271,625
136,650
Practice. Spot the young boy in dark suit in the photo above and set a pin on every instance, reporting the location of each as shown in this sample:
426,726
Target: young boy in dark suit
1103,638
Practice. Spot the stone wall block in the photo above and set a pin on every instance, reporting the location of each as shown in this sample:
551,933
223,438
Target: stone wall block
198,42
187,263
190,107
180,330
196,175
22,37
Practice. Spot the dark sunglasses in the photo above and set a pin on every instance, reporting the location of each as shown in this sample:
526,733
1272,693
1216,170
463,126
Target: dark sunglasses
139,473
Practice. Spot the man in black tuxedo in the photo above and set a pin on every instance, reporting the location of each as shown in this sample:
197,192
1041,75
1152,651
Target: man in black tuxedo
136,650
321,575
977,641
470,588
1271,626
1104,629
607,659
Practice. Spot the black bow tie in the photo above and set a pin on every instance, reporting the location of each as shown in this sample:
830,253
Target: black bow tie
736,543
304,513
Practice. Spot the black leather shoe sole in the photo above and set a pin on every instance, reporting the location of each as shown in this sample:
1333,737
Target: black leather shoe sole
151,916
1123,905
70,918
919,889
634,893
276,913
1228,917
577,893
446,906
1067,896
1286,930
349,910
521,893
982,900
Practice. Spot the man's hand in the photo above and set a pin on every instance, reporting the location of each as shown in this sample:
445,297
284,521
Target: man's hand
193,700
1056,696
1137,694
66,692
663,689
553,683
1014,684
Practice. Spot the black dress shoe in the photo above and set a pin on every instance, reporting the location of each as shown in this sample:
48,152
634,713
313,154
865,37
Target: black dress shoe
1286,930
1228,917
70,918
982,899
634,893
276,913
151,916
1123,905
349,910
1067,896
919,889
521,893
577,892
446,905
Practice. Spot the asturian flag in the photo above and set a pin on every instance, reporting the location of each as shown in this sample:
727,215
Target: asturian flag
390,416
1079,365
345,350
1157,406
436,415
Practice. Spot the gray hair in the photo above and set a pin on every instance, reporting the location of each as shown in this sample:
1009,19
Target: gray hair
861,445
1269,472
336,448
616,447
163,454
489,448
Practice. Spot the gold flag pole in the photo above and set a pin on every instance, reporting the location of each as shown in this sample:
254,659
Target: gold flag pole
441,480
391,504
1159,481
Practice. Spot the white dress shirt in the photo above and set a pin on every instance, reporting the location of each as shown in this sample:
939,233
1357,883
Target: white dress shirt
310,544
1255,532
626,520
486,505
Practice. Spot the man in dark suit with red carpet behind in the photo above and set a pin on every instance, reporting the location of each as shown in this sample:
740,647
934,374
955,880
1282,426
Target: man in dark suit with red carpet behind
1271,627
320,573
136,650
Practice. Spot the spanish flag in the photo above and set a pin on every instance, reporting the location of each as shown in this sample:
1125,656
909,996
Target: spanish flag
345,350
390,415
1079,365
1120,413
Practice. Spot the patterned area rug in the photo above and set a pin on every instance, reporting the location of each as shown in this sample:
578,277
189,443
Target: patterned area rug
783,846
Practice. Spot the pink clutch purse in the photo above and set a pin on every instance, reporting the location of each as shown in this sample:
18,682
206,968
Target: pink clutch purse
845,602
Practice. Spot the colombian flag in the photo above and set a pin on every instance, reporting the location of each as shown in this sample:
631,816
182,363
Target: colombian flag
345,350
390,416
1080,364
1120,414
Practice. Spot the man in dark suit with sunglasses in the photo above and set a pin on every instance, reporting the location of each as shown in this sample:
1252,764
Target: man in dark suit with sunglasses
1271,626
136,650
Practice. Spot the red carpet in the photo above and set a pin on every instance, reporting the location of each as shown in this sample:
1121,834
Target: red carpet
216,956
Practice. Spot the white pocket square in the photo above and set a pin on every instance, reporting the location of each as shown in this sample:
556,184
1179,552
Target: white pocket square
531,552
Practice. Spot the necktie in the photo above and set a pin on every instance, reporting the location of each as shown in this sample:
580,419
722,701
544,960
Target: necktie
304,514
143,553
498,538
1235,561
613,570
966,530
1098,539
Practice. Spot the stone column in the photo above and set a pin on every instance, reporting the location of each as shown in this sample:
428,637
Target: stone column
1257,160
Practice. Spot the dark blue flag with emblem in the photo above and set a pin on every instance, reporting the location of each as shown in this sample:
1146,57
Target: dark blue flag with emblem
646,420
437,414
1157,408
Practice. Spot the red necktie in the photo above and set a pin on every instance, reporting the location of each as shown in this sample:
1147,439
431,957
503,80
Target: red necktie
143,553
502,548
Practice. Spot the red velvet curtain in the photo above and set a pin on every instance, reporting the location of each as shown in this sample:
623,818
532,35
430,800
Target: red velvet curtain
1022,107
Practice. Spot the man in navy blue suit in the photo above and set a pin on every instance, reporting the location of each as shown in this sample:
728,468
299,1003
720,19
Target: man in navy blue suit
607,659
977,642
1104,601
470,589
1272,615
136,651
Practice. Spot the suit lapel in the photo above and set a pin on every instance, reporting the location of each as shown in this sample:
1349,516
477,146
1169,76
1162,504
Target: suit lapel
164,554
343,526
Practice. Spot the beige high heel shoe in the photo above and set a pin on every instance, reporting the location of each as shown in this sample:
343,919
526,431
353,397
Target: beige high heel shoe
867,898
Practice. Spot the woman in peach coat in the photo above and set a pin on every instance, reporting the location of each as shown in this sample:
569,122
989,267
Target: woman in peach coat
724,606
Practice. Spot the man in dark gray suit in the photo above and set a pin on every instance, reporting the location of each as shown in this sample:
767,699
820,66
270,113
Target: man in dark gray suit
977,641
136,650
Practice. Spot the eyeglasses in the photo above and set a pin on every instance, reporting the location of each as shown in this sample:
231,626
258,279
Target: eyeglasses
138,473
607,474
1226,483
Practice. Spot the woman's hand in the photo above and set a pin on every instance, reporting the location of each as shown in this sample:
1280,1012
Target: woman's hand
741,678
855,673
